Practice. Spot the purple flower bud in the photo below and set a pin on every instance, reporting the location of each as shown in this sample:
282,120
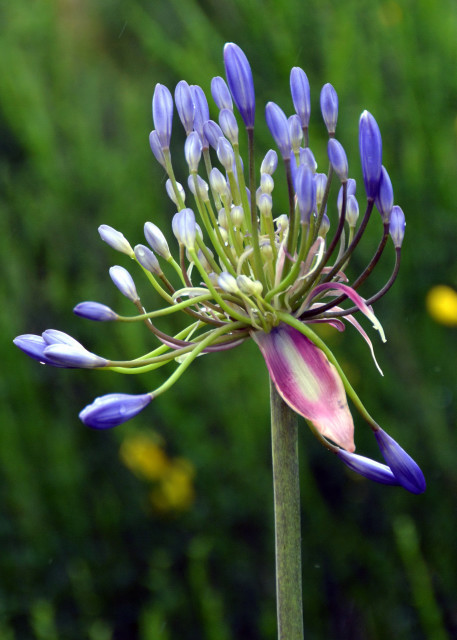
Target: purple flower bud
325,226
34,346
266,183
95,311
225,154
269,163
218,182
229,125
185,105
156,240
329,107
221,94
385,198
239,78
185,228
113,409
68,356
352,211
351,187
295,132
124,282
307,158
201,114
265,204
172,194
320,181
162,114
115,239
147,259
156,149
338,159
201,189
227,282
403,466
368,468
299,88
397,226
306,193
370,145
279,128
212,132
193,151
54,336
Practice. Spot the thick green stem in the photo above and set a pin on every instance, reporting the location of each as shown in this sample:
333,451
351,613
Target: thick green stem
287,518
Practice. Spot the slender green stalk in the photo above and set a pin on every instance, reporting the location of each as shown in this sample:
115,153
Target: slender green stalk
287,518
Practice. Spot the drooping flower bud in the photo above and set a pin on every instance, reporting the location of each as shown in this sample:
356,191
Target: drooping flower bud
162,114
124,282
221,94
34,346
185,228
74,357
370,145
329,107
113,409
95,311
385,198
397,226
115,239
156,240
279,128
147,259
368,468
193,151
185,105
239,79
404,468
338,159
299,88
229,125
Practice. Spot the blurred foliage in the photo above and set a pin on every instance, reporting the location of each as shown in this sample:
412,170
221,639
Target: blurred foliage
85,554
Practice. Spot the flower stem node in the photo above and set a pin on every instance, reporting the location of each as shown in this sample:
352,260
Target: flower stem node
221,94
95,311
113,409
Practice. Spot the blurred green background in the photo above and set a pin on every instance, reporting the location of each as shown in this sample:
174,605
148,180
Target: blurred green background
162,529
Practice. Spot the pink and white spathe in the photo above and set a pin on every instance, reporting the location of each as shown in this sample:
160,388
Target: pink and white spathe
308,382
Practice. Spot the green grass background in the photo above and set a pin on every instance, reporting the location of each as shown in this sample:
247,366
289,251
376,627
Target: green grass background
82,553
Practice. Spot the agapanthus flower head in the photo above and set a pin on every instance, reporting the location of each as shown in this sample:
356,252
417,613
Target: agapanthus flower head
242,266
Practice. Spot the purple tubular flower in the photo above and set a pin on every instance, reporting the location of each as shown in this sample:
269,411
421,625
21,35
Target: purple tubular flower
147,259
185,227
124,282
221,94
193,151
385,198
329,107
162,114
185,105
34,346
370,146
368,468
115,239
68,356
338,159
156,148
212,132
306,192
299,88
95,311
397,226
241,85
403,466
279,128
307,382
113,409
201,114
229,125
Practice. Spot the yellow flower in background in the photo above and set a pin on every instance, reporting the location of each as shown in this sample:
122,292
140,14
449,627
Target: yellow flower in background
441,303
172,477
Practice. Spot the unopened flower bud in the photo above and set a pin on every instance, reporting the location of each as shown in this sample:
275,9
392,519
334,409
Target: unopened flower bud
282,222
329,107
370,145
222,218
95,311
115,239
299,88
385,198
227,283
237,216
352,210
113,409
269,163
221,94
248,286
185,228
225,154
172,194
229,125
201,189
325,226
266,183
201,113
368,468
218,182
156,240
338,159
305,190
295,132
265,204
279,128
73,357
307,158
193,151
162,114
320,182
397,226
156,148
212,132
147,259
124,282
239,79
404,468
185,105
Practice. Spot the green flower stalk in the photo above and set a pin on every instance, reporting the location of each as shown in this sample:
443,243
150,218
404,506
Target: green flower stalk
242,269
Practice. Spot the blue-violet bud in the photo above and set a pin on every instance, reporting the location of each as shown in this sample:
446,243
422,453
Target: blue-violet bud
34,346
239,79
269,163
307,158
185,228
368,468
156,240
113,409
201,113
397,226
229,125
225,154
193,151
338,159
306,193
95,311
329,107
385,198
124,282
156,148
115,239
172,193
279,128
147,259
221,94
212,132
370,146
185,105
295,132
162,114
404,468
299,88
199,189
72,357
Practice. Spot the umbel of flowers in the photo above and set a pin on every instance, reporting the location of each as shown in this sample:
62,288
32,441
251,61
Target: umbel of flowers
242,268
